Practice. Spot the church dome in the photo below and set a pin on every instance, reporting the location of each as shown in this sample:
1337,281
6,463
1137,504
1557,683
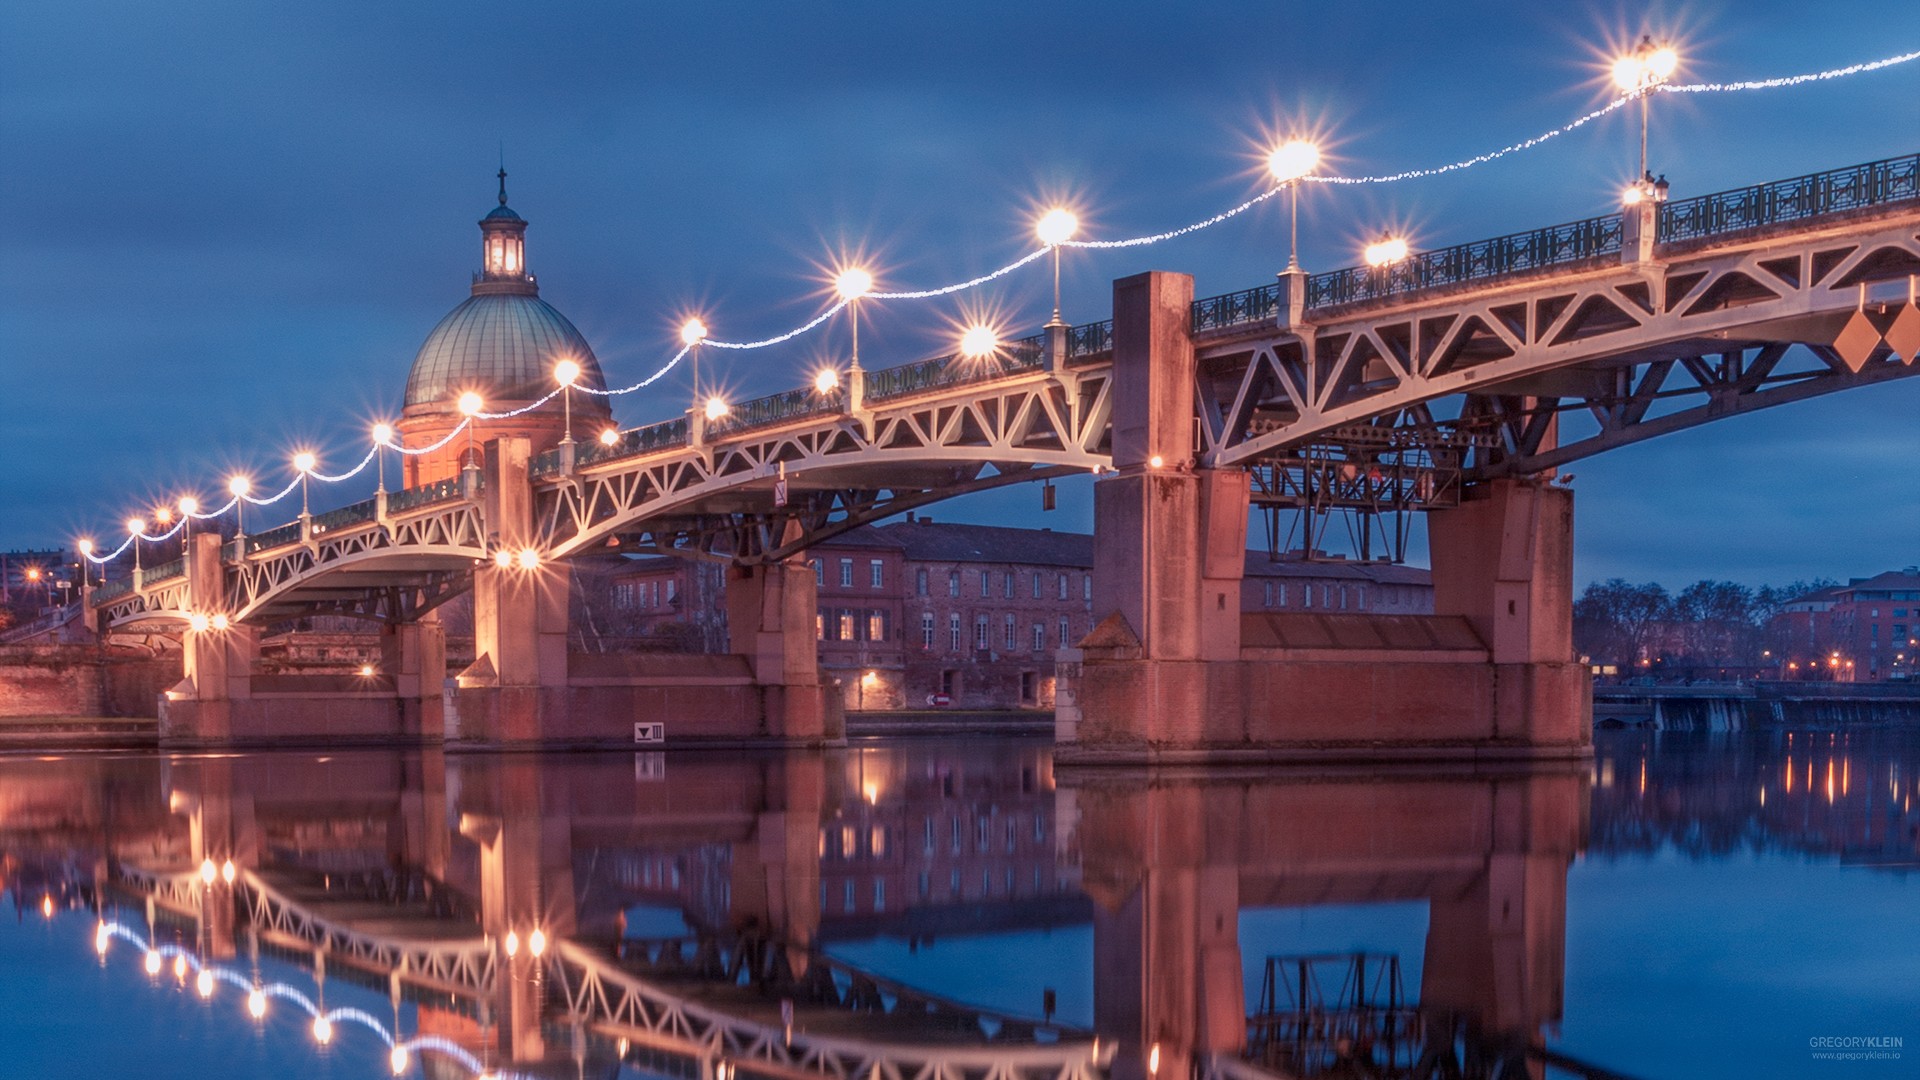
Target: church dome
503,341
503,345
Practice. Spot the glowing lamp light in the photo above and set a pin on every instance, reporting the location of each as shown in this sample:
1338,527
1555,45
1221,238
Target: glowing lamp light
397,1060
1056,226
978,342
537,942
512,944
239,486
872,791
228,871
304,462
180,967
565,372
136,525
102,937
221,622
1153,1060
366,671
189,505
1292,160
1385,251
46,907
204,984
1634,195
208,871
471,403
256,1004
503,559
853,284
1156,461
383,434
85,546
163,514
609,437
322,1030
693,332
826,380
528,559
716,408
1645,67
153,962
200,623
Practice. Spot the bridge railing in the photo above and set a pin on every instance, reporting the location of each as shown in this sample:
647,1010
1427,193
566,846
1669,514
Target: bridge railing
1026,354
414,498
1482,260
165,571
1255,305
273,538
633,443
112,590
1855,187
353,514
796,404
1090,338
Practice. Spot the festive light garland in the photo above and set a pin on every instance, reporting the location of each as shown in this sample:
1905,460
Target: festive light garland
185,960
1612,106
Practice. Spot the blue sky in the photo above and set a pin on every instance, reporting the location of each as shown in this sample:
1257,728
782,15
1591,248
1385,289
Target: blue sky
231,225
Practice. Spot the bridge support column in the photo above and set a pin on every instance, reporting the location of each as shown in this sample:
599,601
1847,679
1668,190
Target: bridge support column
519,673
1503,560
770,621
217,661
1169,544
415,655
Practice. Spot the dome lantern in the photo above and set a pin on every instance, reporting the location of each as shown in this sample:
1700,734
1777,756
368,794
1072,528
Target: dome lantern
503,250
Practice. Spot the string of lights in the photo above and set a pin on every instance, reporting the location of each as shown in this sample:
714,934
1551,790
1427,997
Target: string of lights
1054,238
206,977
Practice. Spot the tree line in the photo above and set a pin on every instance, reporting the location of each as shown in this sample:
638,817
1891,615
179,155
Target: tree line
1708,624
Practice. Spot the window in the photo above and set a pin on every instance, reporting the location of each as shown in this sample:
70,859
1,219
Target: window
820,625
953,583
876,626
1039,831
671,589
1012,833
876,570
1268,589
1343,598
1065,633
1361,592
1039,637
879,894
1036,584
1086,587
1012,632
1063,586
819,572
848,895
981,837
929,830
954,838
1280,590
656,593
920,583
986,583
1029,694
1307,596
980,632
953,631
1326,596
926,630
1006,584
950,686
846,573
846,626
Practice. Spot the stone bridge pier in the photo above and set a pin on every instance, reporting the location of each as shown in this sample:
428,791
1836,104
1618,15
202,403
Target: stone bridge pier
526,687
1173,670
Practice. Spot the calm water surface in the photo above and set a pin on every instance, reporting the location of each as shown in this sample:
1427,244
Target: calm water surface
1690,905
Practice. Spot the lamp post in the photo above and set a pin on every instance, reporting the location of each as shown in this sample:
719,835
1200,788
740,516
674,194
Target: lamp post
1287,163
304,463
1055,228
566,372
238,487
470,406
852,285
382,435
136,526
1638,72
692,333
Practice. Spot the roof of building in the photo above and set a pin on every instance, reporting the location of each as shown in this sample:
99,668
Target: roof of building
504,346
1903,580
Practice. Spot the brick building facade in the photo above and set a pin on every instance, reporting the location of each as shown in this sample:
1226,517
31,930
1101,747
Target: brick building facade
918,614
1865,630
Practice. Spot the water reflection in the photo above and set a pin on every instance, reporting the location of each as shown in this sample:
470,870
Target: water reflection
685,915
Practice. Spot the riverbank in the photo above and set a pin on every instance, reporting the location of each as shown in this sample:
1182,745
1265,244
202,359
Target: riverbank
39,733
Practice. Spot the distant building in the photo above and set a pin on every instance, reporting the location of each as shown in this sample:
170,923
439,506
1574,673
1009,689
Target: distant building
1864,631
919,614
34,576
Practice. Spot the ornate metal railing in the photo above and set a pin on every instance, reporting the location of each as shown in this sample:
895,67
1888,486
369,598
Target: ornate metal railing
1090,338
640,440
1482,260
796,404
1853,188
414,498
1026,354
1259,304
165,571
365,510
273,538
112,590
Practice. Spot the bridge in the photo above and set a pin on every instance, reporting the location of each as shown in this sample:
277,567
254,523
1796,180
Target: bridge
1454,382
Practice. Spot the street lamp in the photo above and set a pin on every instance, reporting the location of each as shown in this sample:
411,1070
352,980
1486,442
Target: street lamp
470,406
565,372
1637,73
979,342
303,463
852,284
136,526
1055,228
1386,251
238,487
1288,162
189,506
692,333
382,436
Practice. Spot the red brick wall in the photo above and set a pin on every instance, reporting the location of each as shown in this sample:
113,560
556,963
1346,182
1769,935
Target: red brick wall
76,680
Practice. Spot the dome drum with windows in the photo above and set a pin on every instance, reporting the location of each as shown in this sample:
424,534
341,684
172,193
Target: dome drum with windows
502,343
